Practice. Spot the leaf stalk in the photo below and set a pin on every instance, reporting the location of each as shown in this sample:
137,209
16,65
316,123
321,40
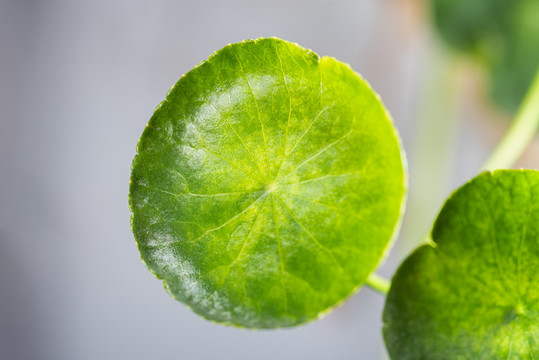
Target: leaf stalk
378,283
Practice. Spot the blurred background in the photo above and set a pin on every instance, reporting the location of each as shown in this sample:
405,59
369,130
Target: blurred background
80,79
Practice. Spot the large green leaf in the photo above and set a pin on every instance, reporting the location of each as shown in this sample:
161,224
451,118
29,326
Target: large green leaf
503,34
267,185
473,293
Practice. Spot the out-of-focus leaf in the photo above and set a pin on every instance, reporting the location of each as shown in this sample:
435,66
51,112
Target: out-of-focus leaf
502,34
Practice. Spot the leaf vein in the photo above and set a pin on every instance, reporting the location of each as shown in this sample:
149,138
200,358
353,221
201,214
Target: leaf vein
285,297
257,109
313,238
326,148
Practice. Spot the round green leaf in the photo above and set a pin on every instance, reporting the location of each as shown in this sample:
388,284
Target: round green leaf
267,185
502,34
472,294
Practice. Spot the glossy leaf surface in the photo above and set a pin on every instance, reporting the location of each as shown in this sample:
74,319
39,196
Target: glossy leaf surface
474,293
503,34
267,185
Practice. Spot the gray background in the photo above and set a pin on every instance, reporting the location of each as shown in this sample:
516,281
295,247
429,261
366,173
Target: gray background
78,82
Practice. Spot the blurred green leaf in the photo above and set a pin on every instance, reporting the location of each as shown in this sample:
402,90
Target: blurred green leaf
267,185
472,294
502,34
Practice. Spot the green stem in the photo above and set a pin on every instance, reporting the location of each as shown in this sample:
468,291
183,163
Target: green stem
520,133
378,283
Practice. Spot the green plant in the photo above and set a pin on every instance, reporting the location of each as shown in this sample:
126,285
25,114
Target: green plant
274,177
269,183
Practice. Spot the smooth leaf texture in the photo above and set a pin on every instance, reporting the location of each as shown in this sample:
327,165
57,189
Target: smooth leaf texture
267,185
504,34
473,294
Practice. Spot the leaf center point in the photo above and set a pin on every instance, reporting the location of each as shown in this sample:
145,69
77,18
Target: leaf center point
520,309
271,187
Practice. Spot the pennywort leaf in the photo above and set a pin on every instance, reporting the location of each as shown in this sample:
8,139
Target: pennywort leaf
472,294
267,185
